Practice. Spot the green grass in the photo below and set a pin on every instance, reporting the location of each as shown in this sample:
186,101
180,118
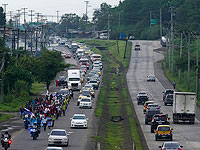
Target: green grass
5,117
115,132
37,87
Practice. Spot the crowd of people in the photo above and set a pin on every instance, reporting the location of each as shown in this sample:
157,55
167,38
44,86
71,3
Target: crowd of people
45,110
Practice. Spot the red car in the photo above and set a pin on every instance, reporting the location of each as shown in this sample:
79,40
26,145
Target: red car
68,56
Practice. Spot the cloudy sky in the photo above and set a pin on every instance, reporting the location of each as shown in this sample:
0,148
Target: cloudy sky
49,7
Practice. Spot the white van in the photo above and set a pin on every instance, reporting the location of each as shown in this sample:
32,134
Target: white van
74,79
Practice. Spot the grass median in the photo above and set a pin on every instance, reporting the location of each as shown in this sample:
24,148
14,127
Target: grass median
110,101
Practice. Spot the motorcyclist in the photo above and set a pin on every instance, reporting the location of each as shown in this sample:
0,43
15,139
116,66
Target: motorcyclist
5,135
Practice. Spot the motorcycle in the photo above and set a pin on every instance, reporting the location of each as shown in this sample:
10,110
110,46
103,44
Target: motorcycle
6,143
34,133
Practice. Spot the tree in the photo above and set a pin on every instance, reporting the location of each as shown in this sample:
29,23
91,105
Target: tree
2,18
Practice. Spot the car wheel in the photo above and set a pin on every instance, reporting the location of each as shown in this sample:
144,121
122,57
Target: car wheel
165,104
67,143
152,130
171,139
156,138
146,122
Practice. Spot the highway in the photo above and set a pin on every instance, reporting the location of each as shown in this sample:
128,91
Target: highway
79,139
142,65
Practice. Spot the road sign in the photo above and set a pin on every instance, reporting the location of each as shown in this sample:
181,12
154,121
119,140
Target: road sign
154,21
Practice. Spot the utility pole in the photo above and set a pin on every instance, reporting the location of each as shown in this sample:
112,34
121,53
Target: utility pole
31,15
36,40
172,41
25,40
197,68
57,16
160,22
119,19
108,26
31,41
38,15
181,50
17,51
24,12
150,18
86,9
19,15
188,73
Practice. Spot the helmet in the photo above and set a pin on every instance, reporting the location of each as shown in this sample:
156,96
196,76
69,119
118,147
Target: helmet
35,123
6,132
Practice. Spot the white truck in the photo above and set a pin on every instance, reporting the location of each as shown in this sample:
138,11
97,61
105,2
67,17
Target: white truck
74,79
184,106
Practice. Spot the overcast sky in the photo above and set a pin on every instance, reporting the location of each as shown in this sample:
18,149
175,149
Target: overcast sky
49,7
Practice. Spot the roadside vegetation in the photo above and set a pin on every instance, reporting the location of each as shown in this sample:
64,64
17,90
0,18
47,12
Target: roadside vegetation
27,75
185,79
113,99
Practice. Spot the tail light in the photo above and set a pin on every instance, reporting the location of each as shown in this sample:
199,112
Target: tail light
80,64
179,149
170,131
10,141
167,119
153,120
163,148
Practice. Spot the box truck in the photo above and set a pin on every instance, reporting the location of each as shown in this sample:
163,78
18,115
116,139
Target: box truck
184,105
74,79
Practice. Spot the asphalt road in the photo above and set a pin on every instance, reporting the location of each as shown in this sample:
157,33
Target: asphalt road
79,139
142,65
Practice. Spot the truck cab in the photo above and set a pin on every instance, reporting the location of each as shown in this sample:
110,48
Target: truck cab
74,79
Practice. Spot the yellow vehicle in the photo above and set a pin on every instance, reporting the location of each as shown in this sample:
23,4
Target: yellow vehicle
79,99
163,132
146,104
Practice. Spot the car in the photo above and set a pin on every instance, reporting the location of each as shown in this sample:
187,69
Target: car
168,99
90,88
137,47
79,99
68,56
79,121
167,91
85,103
142,93
142,99
153,106
146,104
171,146
131,37
54,148
58,137
159,119
62,54
98,70
61,81
164,132
150,113
91,74
94,83
98,62
86,92
151,78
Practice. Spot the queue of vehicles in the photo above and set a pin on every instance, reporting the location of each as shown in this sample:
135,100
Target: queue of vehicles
183,104
85,79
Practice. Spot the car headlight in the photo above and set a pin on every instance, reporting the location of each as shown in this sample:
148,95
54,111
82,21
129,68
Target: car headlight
50,139
85,122
73,122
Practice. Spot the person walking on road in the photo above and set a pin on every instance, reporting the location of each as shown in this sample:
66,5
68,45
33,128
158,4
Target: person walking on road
174,84
44,121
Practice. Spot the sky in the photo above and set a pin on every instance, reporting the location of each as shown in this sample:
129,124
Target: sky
49,7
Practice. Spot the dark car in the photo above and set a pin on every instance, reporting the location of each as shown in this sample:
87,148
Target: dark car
171,146
141,99
62,81
150,113
167,91
137,47
168,99
159,119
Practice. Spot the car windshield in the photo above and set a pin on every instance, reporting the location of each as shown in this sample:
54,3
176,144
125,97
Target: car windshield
143,97
169,92
163,129
88,86
61,78
162,118
58,133
153,106
137,45
64,92
85,100
171,145
74,79
86,92
93,81
170,96
79,117
53,149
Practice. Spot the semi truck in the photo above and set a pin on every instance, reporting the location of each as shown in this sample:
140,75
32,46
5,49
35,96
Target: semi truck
184,106
74,79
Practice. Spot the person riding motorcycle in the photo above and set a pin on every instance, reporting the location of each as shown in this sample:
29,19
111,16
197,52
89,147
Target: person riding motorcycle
5,135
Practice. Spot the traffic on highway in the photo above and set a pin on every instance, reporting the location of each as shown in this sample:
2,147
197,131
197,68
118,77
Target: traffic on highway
56,120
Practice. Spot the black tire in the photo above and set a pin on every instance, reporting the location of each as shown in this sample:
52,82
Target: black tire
165,104
67,143
152,130
171,138
156,138
146,122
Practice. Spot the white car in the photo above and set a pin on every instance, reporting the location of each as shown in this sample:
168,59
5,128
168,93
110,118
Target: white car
79,121
85,103
142,93
54,148
58,137
151,78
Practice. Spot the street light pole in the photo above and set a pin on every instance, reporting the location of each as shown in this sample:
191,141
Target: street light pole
160,22
57,16
86,11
